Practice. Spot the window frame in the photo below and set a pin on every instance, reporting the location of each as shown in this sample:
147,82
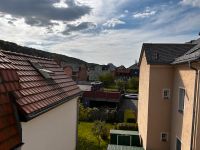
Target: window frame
161,139
169,93
181,110
177,138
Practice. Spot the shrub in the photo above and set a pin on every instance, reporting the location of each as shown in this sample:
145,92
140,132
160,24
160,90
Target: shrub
107,79
92,114
127,126
105,133
100,131
133,83
84,112
128,115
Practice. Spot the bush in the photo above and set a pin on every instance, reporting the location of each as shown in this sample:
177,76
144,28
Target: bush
100,131
92,114
133,83
121,85
129,115
107,79
127,126
84,113
105,133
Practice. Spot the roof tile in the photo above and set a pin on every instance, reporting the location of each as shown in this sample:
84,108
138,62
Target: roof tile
37,93
167,53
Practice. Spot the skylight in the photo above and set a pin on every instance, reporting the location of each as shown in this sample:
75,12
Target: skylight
44,72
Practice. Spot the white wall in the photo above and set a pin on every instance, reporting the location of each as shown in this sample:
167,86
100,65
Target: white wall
53,130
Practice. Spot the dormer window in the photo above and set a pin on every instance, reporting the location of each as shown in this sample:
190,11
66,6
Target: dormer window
156,55
44,72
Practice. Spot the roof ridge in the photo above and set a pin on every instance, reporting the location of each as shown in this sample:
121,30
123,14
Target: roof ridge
170,43
26,55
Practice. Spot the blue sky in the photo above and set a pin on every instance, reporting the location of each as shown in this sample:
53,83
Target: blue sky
98,31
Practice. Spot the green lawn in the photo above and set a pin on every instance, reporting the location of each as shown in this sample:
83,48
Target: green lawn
86,140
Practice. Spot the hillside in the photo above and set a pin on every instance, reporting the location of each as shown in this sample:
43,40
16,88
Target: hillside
9,46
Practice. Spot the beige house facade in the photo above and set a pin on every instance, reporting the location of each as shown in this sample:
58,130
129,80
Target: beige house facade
168,104
55,127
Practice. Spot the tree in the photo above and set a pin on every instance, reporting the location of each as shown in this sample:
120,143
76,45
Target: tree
133,83
107,79
121,85
97,130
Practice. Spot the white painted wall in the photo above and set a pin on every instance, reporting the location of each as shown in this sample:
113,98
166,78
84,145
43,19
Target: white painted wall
53,130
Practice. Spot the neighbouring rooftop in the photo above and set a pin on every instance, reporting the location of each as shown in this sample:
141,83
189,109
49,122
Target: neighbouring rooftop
121,147
43,83
124,132
164,53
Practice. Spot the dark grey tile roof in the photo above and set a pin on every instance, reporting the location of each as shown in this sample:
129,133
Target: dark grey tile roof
197,41
192,55
164,53
134,66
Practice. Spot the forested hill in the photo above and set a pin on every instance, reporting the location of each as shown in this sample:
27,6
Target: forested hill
9,46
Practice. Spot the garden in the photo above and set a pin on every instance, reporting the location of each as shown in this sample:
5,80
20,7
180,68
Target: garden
112,84
95,125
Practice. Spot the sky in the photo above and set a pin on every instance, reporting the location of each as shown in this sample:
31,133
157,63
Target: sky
98,31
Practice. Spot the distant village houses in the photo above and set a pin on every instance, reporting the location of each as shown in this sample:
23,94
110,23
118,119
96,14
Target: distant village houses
76,71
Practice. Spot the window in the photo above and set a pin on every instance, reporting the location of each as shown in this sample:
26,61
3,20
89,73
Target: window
166,93
164,137
44,72
156,55
178,144
181,99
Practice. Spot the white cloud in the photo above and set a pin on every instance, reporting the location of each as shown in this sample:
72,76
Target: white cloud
145,14
113,22
195,3
126,11
61,4
117,46
102,10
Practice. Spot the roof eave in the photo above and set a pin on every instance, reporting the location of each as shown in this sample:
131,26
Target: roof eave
186,60
28,117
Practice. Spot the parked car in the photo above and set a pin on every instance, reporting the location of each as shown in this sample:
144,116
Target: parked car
131,96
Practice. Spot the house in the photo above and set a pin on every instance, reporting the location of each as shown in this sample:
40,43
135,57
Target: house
122,73
68,70
111,66
134,70
94,72
82,74
76,71
38,104
168,105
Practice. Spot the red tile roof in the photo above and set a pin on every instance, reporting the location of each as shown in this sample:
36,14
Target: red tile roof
38,94
9,126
